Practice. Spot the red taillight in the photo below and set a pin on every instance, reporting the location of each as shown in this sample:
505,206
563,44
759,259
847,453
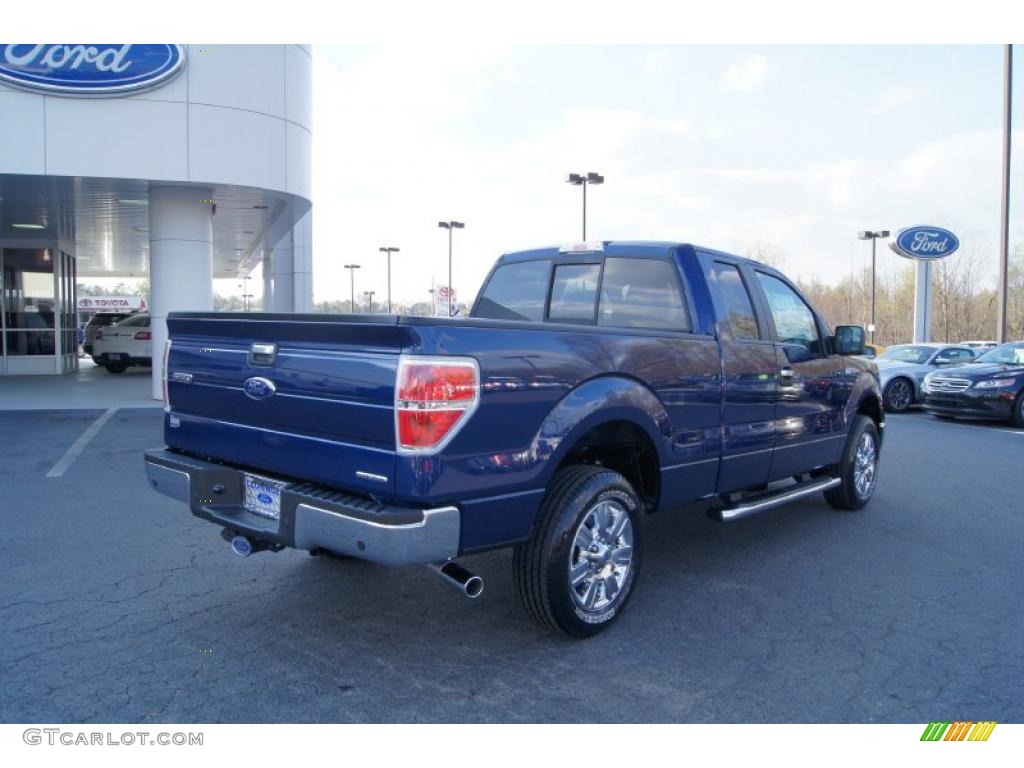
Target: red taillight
143,336
433,398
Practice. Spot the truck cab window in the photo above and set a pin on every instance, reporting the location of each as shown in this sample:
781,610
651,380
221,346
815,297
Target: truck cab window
574,292
515,292
736,301
641,293
794,321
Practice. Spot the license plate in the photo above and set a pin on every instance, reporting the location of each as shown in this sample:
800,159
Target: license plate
262,496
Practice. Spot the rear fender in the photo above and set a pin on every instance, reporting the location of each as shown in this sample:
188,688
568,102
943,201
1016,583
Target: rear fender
599,401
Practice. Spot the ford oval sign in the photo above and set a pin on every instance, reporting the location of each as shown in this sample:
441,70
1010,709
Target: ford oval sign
89,69
259,388
925,243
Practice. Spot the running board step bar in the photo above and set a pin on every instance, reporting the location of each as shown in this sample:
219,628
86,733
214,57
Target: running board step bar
771,500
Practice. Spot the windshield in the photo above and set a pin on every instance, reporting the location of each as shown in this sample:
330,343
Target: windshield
1013,354
907,354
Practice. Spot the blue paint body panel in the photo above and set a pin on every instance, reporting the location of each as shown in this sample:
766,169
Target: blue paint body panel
321,408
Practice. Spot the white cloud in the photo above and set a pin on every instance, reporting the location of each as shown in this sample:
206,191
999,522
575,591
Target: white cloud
655,61
746,74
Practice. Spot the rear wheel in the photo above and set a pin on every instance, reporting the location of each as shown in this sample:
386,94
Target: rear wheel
858,468
898,395
577,573
116,367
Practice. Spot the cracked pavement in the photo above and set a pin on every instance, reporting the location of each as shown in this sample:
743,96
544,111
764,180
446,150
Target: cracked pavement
117,606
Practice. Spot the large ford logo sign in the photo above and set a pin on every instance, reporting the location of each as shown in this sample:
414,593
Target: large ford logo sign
259,388
89,69
925,243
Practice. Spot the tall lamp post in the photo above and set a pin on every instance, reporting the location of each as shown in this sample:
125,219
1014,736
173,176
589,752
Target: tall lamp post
389,250
369,301
352,286
873,237
1004,209
581,180
450,225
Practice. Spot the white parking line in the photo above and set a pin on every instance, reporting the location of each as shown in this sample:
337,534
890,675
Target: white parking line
79,445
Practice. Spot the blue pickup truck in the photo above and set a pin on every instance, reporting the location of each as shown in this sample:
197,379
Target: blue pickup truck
590,386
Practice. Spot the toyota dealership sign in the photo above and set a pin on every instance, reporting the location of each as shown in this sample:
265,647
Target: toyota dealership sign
111,303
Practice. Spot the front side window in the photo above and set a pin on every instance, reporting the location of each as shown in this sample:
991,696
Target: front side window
794,321
641,293
515,292
957,355
574,292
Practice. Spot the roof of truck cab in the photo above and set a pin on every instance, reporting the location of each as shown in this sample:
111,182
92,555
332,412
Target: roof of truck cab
648,248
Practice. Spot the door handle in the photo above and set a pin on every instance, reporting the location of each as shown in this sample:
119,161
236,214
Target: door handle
786,373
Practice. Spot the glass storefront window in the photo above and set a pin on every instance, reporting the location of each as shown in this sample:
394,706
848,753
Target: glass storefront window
29,301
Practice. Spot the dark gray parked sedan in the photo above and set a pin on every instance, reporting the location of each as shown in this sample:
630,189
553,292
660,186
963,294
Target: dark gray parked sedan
903,367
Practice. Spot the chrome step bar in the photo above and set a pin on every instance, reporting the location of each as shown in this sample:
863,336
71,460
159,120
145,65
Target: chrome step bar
771,500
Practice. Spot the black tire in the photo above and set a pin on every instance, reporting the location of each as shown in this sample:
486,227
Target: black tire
543,564
898,395
1018,412
846,495
116,367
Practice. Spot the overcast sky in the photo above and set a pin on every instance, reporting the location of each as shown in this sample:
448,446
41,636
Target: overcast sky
723,146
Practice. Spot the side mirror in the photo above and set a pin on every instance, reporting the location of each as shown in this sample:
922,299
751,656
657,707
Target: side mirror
849,340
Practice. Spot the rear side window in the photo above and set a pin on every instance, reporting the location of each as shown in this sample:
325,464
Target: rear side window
641,293
574,292
735,300
515,292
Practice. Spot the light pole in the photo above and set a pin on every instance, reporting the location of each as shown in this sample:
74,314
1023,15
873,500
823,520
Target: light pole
450,225
873,237
389,250
352,286
1004,209
369,301
579,180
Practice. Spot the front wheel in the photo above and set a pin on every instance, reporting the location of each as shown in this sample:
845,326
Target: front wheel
116,367
1018,411
858,468
577,573
898,395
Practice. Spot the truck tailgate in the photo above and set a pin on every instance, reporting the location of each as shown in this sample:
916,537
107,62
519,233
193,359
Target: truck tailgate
327,415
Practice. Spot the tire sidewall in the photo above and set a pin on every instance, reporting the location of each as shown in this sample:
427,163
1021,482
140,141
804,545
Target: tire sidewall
850,460
571,617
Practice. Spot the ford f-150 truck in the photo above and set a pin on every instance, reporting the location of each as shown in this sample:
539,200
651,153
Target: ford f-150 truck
590,386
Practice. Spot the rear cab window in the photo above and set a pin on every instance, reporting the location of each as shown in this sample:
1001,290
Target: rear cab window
614,292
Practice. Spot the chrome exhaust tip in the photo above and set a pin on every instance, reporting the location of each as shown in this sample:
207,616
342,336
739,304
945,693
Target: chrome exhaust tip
458,578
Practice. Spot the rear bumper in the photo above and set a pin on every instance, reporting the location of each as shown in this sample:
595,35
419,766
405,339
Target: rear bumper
312,517
969,404
121,357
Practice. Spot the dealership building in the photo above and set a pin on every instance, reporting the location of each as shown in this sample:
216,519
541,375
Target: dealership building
177,163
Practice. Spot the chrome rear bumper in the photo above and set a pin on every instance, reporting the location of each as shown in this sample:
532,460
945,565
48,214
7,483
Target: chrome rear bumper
311,517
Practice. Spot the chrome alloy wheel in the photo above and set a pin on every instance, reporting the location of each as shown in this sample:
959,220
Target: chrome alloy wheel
864,465
601,556
899,395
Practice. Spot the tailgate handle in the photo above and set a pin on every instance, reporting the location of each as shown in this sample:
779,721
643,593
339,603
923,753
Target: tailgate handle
262,353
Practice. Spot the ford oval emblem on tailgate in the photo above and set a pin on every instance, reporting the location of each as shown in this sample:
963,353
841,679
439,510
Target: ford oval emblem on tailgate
259,388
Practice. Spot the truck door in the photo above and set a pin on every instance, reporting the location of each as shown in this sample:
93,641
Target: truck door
810,431
749,377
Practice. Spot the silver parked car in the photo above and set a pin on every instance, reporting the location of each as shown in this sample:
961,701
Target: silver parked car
902,368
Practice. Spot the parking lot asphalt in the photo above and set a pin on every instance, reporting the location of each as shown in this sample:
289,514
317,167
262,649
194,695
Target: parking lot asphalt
117,606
